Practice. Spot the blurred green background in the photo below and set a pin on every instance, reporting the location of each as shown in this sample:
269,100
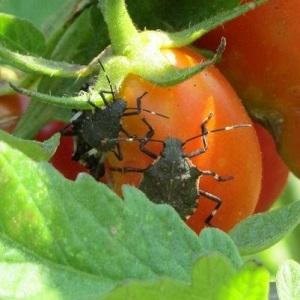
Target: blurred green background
35,11
45,15
289,247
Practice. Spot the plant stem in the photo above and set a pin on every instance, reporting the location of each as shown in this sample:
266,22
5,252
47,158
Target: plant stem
120,26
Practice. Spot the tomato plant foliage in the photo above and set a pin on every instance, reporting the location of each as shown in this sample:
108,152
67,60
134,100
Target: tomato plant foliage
60,238
63,239
68,240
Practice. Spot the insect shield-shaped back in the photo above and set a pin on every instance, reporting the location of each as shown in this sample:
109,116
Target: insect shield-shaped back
172,178
100,127
97,131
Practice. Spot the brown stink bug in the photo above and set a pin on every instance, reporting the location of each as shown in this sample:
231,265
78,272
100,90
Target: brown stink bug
172,178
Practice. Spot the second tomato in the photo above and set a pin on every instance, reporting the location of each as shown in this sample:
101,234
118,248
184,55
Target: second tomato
262,62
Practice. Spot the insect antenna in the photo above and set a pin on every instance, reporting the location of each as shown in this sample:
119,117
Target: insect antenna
135,138
218,130
156,141
139,108
155,113
108,79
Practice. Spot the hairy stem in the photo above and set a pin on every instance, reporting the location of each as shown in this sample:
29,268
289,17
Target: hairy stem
120,26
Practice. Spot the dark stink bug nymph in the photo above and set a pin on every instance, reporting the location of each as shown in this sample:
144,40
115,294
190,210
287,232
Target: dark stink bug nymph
96,131
172,178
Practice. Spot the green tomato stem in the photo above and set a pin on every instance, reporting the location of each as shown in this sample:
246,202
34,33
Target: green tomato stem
121,29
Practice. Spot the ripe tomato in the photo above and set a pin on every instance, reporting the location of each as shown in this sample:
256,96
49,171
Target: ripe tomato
262,62
187,104
11,107
275,172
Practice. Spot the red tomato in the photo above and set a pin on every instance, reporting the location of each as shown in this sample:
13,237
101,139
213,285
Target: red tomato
275,172
187,104
263,64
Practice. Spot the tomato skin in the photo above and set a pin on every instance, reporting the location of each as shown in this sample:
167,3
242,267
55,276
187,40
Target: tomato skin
187,105
262,63
275,172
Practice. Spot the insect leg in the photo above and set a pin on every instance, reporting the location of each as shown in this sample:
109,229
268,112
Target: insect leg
92,104
80,149
98,171
203,136
146,139
102,95
205,132
128,169
90,154
214,198
138,109
125,132
91,159
216,176
66,130
118,152
75,120
143,141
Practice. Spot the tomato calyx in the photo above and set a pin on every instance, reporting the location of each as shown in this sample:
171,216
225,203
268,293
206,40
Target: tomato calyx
139,53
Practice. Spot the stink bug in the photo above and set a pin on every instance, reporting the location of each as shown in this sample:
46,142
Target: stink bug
96,131
172,178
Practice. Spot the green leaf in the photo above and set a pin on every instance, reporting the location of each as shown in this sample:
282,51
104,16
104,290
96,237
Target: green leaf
26,276
42,12
35,150
20,36
251,283
84,39
60,14
84,227
263,230
213,279
176,14
192,33
288,281
215,240
77,46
